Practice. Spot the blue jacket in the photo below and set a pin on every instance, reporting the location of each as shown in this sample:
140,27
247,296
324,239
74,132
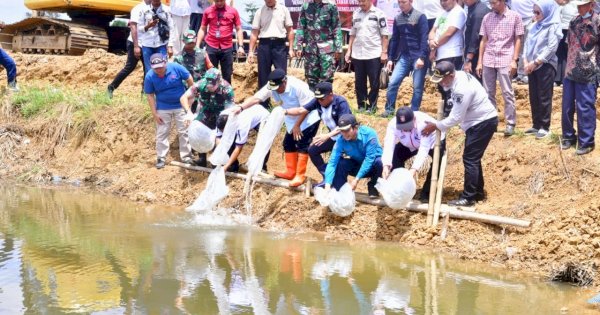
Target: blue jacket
409,36
339,107
365,148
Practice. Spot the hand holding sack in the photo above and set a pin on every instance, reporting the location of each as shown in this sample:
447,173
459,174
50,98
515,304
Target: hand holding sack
398,189
340,202
202,138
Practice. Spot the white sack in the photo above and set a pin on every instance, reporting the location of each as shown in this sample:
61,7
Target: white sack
202,138
215,191
398,189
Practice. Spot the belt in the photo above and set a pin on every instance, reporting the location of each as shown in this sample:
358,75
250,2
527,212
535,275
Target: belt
271,40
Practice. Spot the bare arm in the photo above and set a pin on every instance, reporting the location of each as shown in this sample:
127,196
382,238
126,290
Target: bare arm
296,111
253,40
201,33
290,37
234,155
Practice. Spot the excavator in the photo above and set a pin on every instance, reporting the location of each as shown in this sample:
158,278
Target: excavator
88,28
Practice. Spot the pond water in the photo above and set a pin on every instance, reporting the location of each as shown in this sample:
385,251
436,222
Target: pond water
76,252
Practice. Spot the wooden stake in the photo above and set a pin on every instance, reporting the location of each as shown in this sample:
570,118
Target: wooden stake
435,167
440,188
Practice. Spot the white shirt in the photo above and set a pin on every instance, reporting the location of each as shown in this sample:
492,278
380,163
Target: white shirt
368,28
180,7
455,45
150,38
431,8
296,94
198,6
567,13
412,140
470,104
327,118
248,119
272,22
524,8
136,12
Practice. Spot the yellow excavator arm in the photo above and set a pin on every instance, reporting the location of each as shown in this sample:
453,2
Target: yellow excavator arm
110,7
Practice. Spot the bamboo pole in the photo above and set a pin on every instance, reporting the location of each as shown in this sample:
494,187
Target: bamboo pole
435,168
453,212
440,188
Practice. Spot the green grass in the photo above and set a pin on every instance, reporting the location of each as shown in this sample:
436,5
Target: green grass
35,100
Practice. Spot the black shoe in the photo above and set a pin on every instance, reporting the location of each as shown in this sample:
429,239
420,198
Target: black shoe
160,163
424,197
461,202
567,144
480,196
201,161
584,150
531,132
373,193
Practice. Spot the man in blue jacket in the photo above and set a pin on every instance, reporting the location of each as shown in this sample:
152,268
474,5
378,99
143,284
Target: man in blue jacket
358,153
330,107
408,48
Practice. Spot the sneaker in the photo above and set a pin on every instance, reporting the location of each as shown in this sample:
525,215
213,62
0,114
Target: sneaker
567,144
160,163
509,131
386,114
110,91
321,185
531,131
542,133
461,202
584,150
480,196
373,193
13,86
188,161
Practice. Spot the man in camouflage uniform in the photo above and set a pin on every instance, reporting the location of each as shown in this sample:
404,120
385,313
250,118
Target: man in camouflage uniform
213,95
319,38
193,58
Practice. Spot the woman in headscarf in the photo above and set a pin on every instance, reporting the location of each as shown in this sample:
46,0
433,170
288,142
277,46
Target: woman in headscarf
540,63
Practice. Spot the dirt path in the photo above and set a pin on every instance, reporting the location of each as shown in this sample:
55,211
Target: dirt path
525,178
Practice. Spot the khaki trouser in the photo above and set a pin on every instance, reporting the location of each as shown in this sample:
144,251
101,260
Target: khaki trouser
502,75
163,130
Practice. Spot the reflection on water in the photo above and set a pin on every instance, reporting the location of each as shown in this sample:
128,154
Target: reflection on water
64,252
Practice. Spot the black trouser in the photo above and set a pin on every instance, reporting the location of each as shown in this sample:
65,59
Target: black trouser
315,151
235,167
363,69
458,63
561,54
222,59
474,62
130,65
402,154
541,88
195,21
477,139
301,146
271,53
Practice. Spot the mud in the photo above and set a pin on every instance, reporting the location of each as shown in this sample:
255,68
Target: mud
525,178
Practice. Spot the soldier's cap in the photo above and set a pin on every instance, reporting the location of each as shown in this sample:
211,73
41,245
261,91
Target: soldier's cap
158,60
441,70
189,36
346,121
404,118
276,77
212,76
323,89
580,2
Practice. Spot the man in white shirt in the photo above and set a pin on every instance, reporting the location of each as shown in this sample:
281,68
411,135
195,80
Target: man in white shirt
367,50
403,140
446,39
431,8
476,115
290,92
180,12
154,25
249,119
197,8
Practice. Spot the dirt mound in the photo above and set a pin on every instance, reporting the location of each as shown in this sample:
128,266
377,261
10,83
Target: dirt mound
525,178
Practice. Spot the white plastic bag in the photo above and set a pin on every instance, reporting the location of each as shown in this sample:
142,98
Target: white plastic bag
340,202
220,156
215,191
398,189
264,140
202,138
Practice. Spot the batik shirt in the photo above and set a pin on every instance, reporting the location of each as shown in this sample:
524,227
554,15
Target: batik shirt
582,57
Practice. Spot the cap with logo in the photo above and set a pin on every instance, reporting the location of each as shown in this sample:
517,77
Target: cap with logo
323,89
189,36
441,70
404,118
346,121
157,60
276,77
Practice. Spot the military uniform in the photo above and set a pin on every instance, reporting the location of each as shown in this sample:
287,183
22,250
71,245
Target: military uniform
320,33
196,63
212,103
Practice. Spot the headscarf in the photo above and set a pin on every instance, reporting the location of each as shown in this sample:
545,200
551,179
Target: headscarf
551,12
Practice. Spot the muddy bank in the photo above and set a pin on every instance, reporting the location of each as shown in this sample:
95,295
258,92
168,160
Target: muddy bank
112,148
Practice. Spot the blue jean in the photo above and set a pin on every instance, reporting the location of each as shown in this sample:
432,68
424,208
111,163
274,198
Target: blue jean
149,51
347,167
9,64
403,68
580,97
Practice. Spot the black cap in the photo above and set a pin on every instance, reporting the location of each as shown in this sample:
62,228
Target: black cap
323,89
346,121
441,70
404,118
276,77
222,121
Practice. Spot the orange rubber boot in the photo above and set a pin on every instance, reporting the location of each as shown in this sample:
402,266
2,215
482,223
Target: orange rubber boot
291,160
300,170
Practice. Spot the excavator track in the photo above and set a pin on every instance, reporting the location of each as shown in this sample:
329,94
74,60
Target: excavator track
39,35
